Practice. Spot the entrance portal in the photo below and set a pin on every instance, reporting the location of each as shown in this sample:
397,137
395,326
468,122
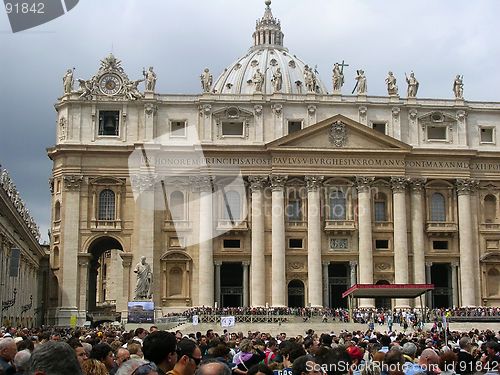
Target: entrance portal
338,279
383,302
231,282
442,295
296,297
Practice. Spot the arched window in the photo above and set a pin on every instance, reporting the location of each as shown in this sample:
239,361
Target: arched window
337,205
106,205
57,211
177,205
438,207
293,210
490,208
493,284
380,207
232,205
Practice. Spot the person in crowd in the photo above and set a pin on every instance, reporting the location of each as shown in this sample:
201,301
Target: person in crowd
21,361
448,362
135,351
104,353
8,350
137,367
122,355
259,369
465,360
429,361
213,367
160,348
491,360
189,358
250,355
54,358
93,366
81,353
409,354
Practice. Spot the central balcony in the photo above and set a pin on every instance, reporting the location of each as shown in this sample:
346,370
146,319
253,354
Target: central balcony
441,228
341,226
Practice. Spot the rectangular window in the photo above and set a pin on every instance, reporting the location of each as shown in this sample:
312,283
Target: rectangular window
232,244
436,133
487,135
230,128
339,243
293,211
380,211
295,243
109,123
175,242
440,245
178,128
379,127
294,126
382,244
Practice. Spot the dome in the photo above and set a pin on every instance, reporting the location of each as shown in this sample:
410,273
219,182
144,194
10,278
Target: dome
267,56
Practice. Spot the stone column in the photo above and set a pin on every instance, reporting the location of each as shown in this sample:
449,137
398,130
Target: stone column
69,250
258,262
428,280
454,283
278,280
206,257
126,264
326,285
352,265
83,263
314,241
468,292
218,296
245,283
417,232
400,236
365,236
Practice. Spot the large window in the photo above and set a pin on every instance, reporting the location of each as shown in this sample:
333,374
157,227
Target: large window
178,128
490,208
177,205
109,123
232,205
293,209
294,126
106,205
230,128
380,207
437,133
337,205
438,207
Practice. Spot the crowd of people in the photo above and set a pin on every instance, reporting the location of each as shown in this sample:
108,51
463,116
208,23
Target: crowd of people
108,351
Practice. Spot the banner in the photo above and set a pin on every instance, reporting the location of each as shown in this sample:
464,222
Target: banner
141,312
195,320
227,321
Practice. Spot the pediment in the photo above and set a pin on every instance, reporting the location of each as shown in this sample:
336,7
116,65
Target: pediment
176,256
339,133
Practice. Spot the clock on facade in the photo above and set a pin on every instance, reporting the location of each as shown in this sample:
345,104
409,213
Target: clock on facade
110,84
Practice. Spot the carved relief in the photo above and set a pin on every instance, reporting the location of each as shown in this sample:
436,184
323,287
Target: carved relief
72,182
295,266
277,181
277,109
257,182
418,184
257,110
383,266
150,109
311,109
363,183
205,110
466,186
314,182
398,184
338,134
62,128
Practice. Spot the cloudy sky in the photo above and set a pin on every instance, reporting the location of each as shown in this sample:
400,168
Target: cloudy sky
436,39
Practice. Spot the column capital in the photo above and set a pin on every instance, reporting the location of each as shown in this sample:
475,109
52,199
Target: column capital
466,186
143,182
428,263
353,263
246,263
278,181
126,259
325,263
202,183
72,182
398,184
84,259
455,263
257,182
218,263
363,183
418,184
314,182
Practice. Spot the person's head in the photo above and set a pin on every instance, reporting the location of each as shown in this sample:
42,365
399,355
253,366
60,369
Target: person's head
259,369
447,361
21,360
305,365
153,329
137,367
104,353
465,343
140,333
93,366
54,358
385,340
143,258
410,349
213,367
8,348
81,353
428,358
122,355
159,347
336,361
246,346
189,357
55,336
135,350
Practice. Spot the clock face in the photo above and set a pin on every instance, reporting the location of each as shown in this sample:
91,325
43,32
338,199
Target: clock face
110,84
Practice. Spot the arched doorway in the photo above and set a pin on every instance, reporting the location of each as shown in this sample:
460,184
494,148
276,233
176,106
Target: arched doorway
105,274
296,295
383,302
231,282
338,278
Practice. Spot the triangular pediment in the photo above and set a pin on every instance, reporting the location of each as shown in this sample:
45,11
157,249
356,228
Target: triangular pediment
339,133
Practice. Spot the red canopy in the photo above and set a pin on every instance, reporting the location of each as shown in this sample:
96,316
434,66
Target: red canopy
388,291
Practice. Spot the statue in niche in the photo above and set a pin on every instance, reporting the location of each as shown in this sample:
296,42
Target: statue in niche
68,81
206,80
392,87
144,280
150,78
277,80
412,85
258,80
458,87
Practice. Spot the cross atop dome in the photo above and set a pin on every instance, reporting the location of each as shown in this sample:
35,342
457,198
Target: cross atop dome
268,30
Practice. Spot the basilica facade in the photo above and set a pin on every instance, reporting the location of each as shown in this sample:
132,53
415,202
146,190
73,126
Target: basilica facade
267,189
